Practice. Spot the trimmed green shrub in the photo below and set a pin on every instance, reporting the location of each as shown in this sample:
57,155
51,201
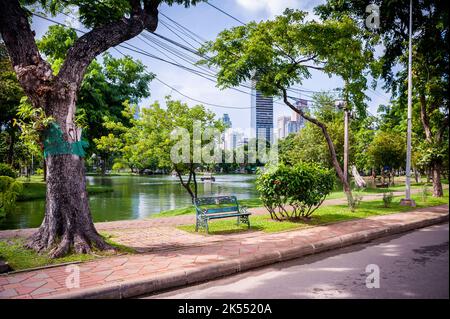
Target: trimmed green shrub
303,187
7,170
9,190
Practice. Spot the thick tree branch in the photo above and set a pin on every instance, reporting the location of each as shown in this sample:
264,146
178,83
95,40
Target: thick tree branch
17,34
101,38
32,71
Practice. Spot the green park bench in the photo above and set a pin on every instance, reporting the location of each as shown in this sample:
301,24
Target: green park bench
208,208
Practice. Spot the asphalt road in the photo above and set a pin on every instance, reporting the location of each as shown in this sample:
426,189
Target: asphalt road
411,265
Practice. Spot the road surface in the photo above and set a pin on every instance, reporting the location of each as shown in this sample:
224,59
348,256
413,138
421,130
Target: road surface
411,265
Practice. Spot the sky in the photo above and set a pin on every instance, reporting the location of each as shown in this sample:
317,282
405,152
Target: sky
207,22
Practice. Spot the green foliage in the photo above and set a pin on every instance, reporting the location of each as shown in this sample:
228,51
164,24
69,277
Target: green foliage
149,140
9,190
32,123
97,13
7,170
11,150
309,144
430,69
387,149
55,43
282,52
105,87
302,186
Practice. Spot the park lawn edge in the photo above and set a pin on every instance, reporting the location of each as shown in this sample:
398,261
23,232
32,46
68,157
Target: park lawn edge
20,258
256,202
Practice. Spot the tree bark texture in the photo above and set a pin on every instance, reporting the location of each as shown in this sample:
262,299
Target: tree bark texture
433,137
67,224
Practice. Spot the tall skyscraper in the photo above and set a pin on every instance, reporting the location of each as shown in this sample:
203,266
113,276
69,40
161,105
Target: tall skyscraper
261,114
226,120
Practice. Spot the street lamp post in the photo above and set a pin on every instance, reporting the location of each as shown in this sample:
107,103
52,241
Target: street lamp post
407,201
343,105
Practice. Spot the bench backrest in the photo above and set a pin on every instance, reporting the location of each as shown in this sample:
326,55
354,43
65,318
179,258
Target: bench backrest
215,205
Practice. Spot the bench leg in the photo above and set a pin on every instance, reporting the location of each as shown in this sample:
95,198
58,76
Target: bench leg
245,220
238,220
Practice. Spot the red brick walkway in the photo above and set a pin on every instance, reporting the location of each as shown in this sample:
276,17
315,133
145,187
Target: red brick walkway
193,251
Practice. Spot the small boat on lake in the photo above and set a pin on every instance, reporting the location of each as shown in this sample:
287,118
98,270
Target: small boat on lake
208,178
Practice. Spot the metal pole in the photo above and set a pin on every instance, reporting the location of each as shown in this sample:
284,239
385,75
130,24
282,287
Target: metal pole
346,115
408,200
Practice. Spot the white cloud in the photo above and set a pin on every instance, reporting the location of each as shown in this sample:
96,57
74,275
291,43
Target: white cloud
275,7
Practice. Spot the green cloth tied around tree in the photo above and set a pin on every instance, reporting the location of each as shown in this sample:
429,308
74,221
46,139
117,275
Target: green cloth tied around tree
54,143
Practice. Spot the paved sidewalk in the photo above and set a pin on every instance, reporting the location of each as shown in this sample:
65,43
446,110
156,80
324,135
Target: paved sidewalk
198,257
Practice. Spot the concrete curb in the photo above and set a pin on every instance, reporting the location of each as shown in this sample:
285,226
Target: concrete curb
128,289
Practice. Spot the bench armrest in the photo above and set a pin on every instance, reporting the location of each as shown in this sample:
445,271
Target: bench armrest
244,209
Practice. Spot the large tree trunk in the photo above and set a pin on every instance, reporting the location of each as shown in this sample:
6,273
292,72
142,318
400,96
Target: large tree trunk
436,166
437,184
67,222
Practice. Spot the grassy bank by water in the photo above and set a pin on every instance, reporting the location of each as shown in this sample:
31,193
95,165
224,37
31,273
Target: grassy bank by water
323,215
34,188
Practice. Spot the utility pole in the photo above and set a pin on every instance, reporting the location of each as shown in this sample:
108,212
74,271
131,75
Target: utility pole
346,119
343,104
407,201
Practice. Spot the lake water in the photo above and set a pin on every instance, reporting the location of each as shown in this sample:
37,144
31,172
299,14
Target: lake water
135,197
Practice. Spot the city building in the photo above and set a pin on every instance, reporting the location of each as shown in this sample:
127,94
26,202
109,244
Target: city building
226,120
261,114
287,125
281,126
232,139
303,105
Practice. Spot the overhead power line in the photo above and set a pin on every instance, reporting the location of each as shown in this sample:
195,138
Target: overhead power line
204,74
226,13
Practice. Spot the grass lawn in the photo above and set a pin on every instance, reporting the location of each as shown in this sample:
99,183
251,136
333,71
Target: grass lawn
323,215
19,258
256,202
35,189
369,191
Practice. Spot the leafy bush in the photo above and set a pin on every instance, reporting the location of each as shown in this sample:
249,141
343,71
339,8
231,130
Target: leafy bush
7,170
387,199
9,190
303,187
